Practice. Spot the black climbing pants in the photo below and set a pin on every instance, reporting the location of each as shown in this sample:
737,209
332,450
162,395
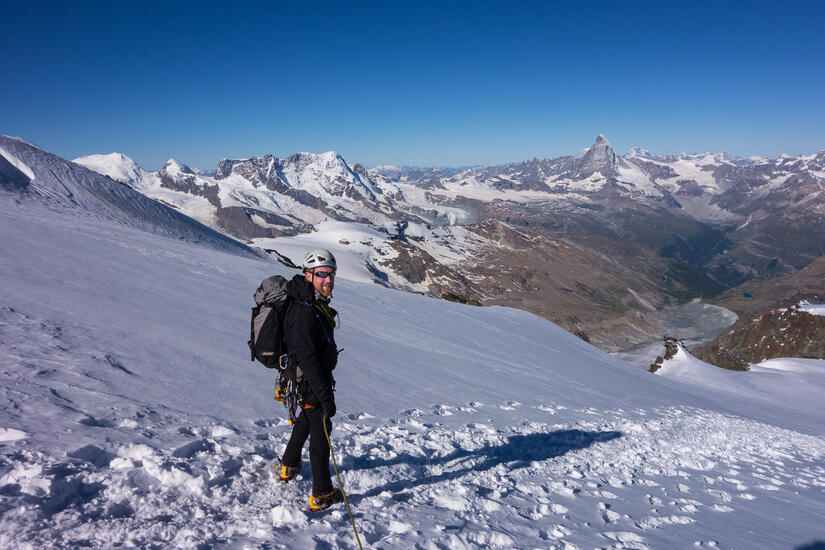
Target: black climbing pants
309,424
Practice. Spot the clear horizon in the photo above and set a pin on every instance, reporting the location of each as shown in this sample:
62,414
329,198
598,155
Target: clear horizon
455,84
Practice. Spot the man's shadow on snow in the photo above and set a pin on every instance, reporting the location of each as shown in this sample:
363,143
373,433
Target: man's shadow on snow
519,451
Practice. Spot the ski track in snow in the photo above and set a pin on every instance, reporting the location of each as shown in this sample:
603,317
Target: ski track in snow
555,476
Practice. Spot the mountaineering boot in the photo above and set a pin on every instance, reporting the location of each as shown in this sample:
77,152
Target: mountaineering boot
325,501
288,472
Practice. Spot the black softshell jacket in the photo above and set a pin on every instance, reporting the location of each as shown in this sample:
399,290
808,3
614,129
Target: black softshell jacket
311,344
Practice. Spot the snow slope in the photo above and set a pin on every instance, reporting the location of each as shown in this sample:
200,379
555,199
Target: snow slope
363,253
131,416
120,168
813,309
791,388
353,244
32,174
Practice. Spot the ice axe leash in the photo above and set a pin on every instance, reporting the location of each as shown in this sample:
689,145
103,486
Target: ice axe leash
340,485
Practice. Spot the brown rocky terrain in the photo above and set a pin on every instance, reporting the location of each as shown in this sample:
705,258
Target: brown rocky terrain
781,332
754,297
606,291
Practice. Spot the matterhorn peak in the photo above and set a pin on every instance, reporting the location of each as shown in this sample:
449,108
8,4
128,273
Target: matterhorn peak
598,158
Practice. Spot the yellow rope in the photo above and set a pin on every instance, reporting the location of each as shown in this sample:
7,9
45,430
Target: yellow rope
341,485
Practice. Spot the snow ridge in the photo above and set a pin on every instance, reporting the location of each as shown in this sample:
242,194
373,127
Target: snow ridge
64,185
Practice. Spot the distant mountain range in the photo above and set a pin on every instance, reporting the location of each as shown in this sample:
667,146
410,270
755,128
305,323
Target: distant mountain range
596,242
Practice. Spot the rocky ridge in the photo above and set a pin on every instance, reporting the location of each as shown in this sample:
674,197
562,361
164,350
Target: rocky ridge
781,332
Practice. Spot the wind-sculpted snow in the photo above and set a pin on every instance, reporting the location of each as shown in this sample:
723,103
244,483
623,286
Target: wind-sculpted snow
132,416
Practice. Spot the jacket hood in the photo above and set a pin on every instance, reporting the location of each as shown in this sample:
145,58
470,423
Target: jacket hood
300,289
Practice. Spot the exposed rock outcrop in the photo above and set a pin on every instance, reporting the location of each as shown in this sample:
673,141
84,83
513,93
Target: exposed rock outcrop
783,332
671,348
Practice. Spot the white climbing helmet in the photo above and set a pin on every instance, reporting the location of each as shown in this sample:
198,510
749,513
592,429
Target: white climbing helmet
319,258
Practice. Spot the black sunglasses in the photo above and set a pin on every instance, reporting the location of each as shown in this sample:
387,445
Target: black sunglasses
324,274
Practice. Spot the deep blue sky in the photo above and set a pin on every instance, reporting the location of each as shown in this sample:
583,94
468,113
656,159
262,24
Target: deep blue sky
446,83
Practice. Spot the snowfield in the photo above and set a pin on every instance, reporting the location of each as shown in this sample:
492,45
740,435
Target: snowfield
813,309
132,416
793,389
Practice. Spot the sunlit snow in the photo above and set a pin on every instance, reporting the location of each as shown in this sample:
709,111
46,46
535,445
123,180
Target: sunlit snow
132,416
813,309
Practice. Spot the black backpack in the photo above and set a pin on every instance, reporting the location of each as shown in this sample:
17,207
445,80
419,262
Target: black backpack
266,341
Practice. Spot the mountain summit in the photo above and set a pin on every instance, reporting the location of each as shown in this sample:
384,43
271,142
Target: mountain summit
599,158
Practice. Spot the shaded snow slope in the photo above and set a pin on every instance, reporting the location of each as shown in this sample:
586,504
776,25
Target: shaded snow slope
131,415
63,185
788,388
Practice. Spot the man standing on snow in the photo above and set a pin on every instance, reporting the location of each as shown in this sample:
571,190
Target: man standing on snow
308,331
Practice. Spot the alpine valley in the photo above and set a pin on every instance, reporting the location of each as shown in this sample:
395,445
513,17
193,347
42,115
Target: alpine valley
607,246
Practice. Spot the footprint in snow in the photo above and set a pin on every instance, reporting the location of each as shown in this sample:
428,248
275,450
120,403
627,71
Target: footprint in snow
93,455
359,416
442,410
221,431
95,422
266,422
625,537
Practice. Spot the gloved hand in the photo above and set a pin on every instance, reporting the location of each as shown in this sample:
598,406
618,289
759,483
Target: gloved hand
329,408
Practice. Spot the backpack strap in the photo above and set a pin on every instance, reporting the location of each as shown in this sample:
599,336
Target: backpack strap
283,320
321,321
251,341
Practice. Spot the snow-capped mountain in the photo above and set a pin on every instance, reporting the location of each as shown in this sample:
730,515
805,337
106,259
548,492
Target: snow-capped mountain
32,174
275,196
131,416
640,230
597,168
121,168
706,187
